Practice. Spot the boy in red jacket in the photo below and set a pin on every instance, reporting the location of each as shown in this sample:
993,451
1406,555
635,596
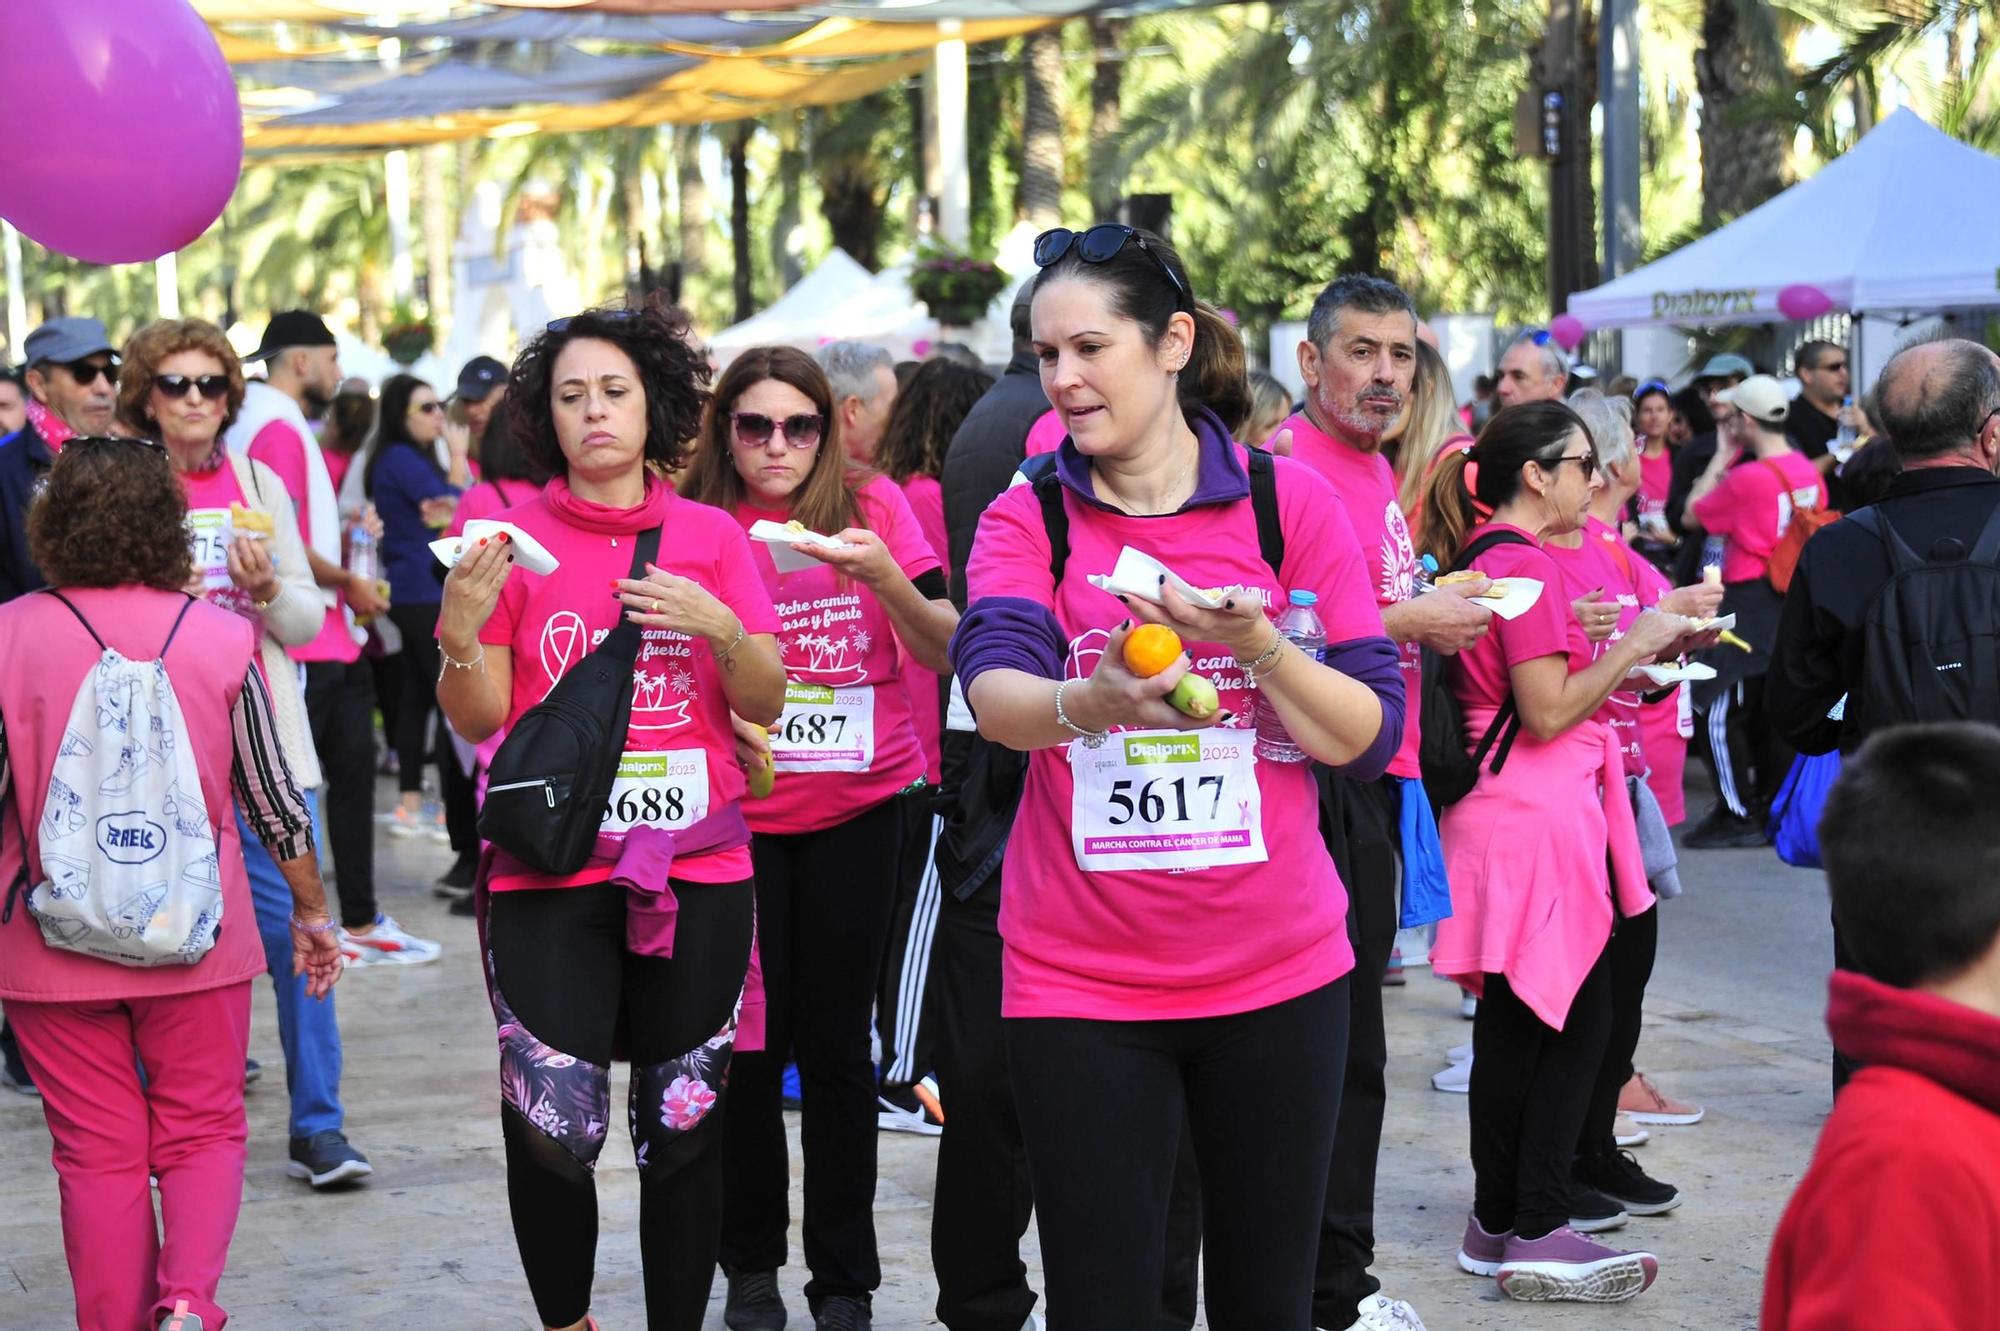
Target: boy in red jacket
1897,1222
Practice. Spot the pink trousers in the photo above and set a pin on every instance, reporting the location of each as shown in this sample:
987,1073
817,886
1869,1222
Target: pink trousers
185,1127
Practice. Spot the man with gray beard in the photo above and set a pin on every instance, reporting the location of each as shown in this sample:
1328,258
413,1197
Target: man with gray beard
1358,361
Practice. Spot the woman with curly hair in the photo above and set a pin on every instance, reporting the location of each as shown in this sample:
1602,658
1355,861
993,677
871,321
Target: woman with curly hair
829,838
182,384
109,531
602,402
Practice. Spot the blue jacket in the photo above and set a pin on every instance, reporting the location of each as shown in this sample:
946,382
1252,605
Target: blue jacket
24,461
405,476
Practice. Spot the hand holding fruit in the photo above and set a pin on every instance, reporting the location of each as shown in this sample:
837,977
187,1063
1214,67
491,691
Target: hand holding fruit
1118,695
1151,648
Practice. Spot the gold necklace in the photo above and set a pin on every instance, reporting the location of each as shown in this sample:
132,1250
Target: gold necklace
1125,506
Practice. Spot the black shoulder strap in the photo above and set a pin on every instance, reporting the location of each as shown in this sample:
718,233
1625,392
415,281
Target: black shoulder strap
1986,550
175,630
1264,502
1486,541
71,605
1901,557
1500,736
1041,473
623,642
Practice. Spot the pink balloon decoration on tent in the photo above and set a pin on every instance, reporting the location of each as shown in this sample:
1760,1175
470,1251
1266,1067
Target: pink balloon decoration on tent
124,136
1802,301
1567,330
920,348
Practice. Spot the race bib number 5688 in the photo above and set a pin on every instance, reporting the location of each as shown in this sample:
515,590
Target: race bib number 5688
1160,799
666,790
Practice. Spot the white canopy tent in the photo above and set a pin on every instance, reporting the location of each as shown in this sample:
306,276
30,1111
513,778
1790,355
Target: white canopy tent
1902,223
800,316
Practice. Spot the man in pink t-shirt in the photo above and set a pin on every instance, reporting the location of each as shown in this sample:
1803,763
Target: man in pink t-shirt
1749,506
302,372
1358,360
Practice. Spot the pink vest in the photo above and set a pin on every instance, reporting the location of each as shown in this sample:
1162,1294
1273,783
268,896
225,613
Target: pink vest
207,662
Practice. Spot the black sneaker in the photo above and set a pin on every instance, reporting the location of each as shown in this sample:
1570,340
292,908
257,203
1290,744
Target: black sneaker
754,1303
842,1313
1616,1174
1723,830
463,906
13,1069
457,881
252,1070
325,1159
1591,1212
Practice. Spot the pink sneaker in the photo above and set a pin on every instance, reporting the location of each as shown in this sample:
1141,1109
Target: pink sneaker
1480,1253
1564,1265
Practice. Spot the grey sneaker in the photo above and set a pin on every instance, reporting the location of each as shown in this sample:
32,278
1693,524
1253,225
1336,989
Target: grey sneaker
326,1159
180,1319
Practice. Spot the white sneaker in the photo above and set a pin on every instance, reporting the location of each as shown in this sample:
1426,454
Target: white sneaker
391,944
1468,1006
1629,1133
1459,1053
1454,1080
892,1117
1383,1314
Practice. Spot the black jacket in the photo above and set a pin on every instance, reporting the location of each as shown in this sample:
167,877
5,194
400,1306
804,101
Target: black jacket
1817,660
990,444
24,461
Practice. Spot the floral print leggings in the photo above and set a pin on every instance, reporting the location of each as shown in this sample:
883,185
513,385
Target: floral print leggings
569,1000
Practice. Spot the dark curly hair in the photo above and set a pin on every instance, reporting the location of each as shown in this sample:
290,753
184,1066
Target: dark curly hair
926,415
673,373
112,515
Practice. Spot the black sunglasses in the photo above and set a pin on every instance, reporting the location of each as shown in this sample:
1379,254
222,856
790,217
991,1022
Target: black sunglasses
754,428
85,372
1589,461
1101,244
90,440
213,387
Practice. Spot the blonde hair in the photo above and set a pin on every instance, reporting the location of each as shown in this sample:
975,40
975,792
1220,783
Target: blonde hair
1429,420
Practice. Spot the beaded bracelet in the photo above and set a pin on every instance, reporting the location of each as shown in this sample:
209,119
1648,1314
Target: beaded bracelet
1092,739
1268,657
305,928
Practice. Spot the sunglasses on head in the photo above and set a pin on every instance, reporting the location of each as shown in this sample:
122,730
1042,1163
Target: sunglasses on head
212,387
1101,244
91,440
754,428
85,372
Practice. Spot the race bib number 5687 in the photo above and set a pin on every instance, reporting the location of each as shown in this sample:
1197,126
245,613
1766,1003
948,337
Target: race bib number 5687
1160,799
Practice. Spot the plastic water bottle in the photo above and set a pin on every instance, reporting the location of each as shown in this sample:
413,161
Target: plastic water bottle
1300,626
1426,577
363,559
1847,435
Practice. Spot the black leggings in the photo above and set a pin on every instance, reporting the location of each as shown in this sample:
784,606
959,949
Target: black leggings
823,905
1631,952
570,999
1101,1106
418,625
1531,1089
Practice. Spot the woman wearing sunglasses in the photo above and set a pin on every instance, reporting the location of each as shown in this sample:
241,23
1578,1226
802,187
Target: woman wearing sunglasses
1175,931
828,844
182,384
604,403
1543,855
416,497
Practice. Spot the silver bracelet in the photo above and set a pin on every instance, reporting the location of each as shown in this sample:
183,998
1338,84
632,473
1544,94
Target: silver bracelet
734,643
1268,657
449,662
1092,739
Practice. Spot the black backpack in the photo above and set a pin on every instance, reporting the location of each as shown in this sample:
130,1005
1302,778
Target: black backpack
547,785
1449,773
979,813
1930,647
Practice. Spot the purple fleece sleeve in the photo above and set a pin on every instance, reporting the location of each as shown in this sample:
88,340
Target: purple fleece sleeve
1373,661
1006,633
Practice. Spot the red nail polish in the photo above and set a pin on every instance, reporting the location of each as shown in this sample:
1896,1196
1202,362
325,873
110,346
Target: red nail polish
482,540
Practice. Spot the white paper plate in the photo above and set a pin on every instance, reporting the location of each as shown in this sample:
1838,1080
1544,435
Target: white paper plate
781,539
1720,624
1139,574
1693,672
529,553
1517,596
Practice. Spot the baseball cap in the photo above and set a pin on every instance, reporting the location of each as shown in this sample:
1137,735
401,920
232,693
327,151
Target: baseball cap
481,375
1724,365
1760,397
292,328
66,339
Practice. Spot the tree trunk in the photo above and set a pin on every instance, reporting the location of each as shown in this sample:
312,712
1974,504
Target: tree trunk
1742,158
694,206
632,203
791,176
1041,129
739,217
1107,116
438,231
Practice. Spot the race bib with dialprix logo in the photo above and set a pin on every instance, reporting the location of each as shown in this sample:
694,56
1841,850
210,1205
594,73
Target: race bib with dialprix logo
824,729
1160,799
667,790
210,531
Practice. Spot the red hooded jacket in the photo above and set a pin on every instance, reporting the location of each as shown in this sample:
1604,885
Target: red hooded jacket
1897,1222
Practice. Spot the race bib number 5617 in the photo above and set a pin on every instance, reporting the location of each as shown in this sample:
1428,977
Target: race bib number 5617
1160,799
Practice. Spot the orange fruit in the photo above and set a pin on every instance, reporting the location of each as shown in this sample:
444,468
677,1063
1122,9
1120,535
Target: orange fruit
1151,648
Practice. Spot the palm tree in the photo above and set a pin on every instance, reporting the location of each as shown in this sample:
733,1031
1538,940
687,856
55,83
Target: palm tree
1041,128
1107,80
1742,151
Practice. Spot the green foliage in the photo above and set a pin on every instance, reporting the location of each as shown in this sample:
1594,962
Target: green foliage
954,284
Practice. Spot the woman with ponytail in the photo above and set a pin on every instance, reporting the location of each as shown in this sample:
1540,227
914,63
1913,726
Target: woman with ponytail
1543,855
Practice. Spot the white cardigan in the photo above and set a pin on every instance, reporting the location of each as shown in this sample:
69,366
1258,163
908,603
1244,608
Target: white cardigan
293,619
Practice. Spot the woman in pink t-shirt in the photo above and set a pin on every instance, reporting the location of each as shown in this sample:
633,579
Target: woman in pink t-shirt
600,401
829,837
1175,932
1543,854
1652,419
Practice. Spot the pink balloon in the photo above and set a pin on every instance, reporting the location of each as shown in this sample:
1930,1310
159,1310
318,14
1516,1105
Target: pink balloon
1801,301
920,348
1567,330
124,137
